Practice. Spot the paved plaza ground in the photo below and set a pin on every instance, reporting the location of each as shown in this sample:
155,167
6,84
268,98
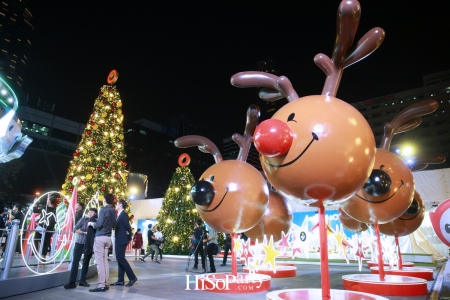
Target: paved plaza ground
169,280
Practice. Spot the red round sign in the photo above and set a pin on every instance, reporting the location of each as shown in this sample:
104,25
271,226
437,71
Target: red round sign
184,160
112,77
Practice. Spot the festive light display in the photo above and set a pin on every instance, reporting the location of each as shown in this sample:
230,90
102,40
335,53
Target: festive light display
63,237
99,160
178,213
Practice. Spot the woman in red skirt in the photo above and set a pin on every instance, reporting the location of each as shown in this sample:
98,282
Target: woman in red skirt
137,244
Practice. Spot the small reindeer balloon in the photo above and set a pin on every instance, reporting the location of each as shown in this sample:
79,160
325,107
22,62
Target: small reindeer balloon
317,148
389,191
412,218
349,223
276,219
407,223
231,195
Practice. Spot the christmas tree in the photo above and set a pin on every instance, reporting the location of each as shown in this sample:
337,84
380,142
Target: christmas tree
178,213
99,161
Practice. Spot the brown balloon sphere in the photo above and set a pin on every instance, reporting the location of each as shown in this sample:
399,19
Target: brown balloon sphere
407,223
351,224
240,196
380,209
276,219
331,155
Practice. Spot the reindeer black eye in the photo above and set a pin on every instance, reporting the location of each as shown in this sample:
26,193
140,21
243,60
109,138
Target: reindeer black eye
413,208
212,178
378,184
291,117
202,193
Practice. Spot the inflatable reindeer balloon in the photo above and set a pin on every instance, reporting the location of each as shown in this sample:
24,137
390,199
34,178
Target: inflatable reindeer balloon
231,195
351,224
276,219
389,191
412,218
409,221
317,148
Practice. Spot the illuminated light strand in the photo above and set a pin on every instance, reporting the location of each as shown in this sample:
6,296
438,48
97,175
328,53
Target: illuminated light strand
60,242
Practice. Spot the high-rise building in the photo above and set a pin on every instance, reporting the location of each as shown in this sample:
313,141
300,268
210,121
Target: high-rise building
182,125
267,110
432,136
15,45
231,151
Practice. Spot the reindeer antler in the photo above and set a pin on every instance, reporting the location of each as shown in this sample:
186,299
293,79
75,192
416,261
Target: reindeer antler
409,125
204,145
421,162
275,87
349,13
245,141
413,111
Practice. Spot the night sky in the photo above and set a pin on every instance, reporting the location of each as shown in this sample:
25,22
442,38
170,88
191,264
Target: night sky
178,58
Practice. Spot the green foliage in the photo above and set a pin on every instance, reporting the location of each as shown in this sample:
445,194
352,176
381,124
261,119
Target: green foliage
178,213
9,172
10,199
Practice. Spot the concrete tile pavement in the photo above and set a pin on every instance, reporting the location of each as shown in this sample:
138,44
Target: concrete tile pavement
169,280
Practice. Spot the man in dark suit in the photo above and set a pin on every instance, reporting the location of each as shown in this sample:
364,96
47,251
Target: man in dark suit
123,237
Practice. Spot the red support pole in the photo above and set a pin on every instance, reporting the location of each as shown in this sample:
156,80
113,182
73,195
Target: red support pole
380,253
234,256
325,273
399,253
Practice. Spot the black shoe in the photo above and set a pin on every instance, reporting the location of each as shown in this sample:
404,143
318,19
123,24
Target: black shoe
157,261
141,259
106,287
84,283
223,265
118,283
99,289
194,268
70,285
213,271
132,281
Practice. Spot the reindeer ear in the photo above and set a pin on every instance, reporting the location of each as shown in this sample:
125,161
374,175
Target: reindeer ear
366,45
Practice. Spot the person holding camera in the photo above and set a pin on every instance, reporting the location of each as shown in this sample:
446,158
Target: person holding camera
212,247
197,243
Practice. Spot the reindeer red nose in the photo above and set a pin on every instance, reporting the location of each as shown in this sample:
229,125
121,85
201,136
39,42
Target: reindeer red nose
273,138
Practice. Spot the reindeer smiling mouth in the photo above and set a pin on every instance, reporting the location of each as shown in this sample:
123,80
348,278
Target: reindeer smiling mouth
376,202
314,138
217,206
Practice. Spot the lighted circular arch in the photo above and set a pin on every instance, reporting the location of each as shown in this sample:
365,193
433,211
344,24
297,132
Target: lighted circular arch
61,243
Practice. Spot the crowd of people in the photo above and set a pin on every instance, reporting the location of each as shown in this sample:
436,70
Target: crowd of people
96,233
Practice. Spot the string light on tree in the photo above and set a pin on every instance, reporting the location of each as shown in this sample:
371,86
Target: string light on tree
176,214
99,160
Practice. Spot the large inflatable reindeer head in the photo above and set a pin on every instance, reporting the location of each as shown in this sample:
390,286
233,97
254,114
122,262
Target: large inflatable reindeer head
317,148
389,191
231,195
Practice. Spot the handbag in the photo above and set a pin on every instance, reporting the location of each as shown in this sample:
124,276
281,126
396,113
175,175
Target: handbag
142,251
39,229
